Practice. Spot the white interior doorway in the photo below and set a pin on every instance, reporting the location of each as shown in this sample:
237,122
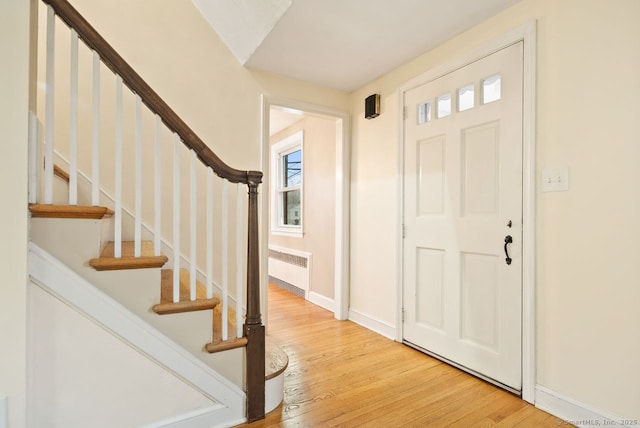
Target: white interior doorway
290,247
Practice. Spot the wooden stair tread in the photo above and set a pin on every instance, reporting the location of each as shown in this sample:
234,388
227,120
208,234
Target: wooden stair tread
276,360
226,345
217,344
147,259
69,211
168,306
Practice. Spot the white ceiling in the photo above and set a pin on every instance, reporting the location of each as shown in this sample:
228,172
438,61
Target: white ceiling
341,44
282,117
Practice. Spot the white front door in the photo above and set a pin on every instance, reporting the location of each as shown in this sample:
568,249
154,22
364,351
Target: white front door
462,295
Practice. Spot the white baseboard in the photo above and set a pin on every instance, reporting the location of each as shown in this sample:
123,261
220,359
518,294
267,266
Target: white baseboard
210,418
374,324
573,412
322,301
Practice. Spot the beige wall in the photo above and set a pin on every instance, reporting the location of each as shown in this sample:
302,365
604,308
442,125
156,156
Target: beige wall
173,48
587,270
588,337
181,57
76,360
319,166
14,107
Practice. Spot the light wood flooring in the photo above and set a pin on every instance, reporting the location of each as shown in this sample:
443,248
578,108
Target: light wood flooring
342,375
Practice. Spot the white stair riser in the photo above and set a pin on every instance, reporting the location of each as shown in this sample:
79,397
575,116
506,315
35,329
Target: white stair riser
74,241
274,392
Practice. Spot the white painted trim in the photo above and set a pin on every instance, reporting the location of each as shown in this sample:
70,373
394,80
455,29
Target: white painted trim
175,238
118,168
224,234
342,181
34,156
322,301
54,277
399,334
95,132
573,412
374,324
157,187
529,213
291,251
49,122
193,230
240,262
73,120
137,238
527,34
210,417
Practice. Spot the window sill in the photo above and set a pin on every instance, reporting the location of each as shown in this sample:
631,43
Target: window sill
290,233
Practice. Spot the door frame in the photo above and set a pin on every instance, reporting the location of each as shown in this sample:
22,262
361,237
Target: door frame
526,34
342,206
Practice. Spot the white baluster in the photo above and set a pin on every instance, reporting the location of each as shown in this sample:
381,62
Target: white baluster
117,246
95,133
49,122
33,158
209,233
192,225
225,259
137,240
239,256
176,218
157,190
73,121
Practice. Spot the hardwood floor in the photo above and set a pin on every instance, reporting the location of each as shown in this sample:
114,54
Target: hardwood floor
343,375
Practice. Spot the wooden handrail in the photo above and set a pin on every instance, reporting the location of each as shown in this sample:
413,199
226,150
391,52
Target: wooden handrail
152,100
254,330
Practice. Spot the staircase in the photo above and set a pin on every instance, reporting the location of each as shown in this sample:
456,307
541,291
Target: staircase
90,229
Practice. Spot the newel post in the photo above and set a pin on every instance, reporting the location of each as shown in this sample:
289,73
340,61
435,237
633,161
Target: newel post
254,331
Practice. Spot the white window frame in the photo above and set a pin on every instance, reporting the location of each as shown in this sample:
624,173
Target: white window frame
278,151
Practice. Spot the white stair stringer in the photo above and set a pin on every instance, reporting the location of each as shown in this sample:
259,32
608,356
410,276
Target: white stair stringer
56,278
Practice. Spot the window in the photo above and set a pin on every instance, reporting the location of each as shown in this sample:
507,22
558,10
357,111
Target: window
424,112
466,97
443,103
287,164
491,89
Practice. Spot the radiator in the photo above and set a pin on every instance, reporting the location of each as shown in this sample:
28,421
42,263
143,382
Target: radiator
290,269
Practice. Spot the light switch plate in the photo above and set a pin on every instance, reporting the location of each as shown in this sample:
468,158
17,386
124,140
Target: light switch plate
555,179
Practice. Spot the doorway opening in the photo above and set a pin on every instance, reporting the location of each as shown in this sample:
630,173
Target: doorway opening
306,187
